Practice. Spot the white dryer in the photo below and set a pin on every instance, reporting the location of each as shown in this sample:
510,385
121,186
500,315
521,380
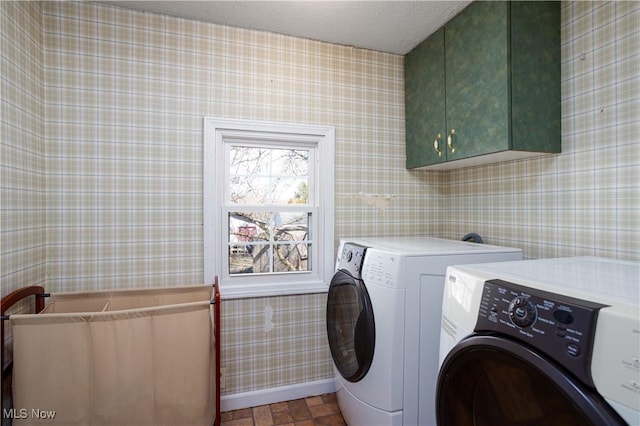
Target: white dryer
549,342
383,316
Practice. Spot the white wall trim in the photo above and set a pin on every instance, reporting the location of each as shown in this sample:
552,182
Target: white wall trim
241,400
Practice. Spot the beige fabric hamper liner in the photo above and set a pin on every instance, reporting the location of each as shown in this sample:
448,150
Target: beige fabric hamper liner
130,357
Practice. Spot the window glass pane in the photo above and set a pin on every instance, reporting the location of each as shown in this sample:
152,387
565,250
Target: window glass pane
249,227
290,191
291,226
261,254
268,176
291,257
240,260
267,242
249,259
249,190
246,161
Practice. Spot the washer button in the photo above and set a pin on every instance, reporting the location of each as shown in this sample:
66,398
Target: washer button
573,349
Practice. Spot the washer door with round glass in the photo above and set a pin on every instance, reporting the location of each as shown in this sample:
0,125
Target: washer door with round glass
350,326
489,380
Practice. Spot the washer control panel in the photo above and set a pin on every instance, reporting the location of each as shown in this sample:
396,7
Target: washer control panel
351,259
559,326
381,268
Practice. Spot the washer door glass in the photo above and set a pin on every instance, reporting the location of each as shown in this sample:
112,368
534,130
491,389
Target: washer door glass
350,326
490,380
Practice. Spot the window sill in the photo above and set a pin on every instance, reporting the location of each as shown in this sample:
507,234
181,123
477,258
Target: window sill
246,291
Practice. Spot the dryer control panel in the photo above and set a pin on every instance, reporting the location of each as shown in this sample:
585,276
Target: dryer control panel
351,259
561,327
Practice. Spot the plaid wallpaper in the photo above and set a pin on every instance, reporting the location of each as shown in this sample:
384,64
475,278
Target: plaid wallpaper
22,147
274,341
128,94
118,99
585,201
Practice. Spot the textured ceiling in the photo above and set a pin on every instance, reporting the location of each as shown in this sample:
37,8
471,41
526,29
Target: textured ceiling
386,26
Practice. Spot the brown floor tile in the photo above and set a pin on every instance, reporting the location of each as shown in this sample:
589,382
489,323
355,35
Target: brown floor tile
333,420
242,413
279,406
299,410
324,410
242,417
307,422
247,421
314,400
282,417
319,410
262,416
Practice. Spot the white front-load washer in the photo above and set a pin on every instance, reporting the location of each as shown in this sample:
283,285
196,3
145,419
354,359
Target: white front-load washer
383,316
541,342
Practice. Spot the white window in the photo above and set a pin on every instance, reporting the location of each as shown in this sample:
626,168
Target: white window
268,207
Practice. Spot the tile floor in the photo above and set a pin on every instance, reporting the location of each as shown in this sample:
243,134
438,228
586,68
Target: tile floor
313,411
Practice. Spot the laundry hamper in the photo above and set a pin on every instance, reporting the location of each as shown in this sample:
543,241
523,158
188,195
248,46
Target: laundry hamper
128,357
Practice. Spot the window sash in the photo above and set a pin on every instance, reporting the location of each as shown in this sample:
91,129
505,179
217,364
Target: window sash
310,241
312,174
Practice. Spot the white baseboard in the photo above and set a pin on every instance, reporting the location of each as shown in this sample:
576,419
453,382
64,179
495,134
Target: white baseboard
241,400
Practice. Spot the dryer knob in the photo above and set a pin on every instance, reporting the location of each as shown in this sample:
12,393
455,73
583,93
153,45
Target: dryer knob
522,312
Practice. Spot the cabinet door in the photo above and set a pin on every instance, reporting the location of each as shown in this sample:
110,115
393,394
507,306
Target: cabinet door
535,76
477,75
424,102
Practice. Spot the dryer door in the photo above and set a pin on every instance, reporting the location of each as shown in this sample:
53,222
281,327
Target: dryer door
491,380
350,326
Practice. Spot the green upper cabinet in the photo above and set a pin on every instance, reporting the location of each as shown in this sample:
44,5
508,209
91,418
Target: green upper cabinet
485,87
424,103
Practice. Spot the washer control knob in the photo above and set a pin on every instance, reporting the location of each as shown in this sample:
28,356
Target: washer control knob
522,312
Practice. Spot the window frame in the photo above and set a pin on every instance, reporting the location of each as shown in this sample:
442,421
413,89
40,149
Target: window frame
220,132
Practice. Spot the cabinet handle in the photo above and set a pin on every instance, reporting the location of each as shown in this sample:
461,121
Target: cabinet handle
436,145
450,140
